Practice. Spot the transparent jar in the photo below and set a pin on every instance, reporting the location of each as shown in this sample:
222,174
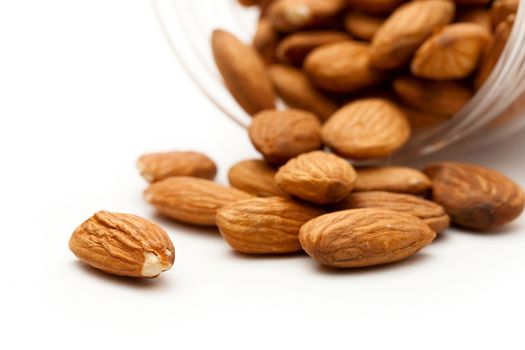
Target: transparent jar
497,110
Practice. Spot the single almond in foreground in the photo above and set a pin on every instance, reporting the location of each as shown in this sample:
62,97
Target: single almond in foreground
123,244
191,200
364,237
264,225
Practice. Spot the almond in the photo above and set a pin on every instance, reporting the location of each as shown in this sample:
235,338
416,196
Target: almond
296,90
431,213
243,72
191,200
406,29
282,135
501,9
265,41
362,25
422,120
480,16
375,6
264,225
295,47
364,237
159,166
445,97
475,197
123,245
366,129
392,179
491,56
342,67
256,177
317,177
453,52
292,15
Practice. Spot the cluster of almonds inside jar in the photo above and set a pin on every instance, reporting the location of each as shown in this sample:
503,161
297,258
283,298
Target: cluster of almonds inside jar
299,197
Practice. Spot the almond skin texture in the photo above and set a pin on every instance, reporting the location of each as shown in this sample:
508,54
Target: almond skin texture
392,179
366,129
406,29
123,245
452,52
361,25
342,67
265,41
431,213
282,135
243,72
292,15
501,9
256,177
444,97
475,197
296,90
317,177
159,166
364,237
491,56
264,225
191,200
295,47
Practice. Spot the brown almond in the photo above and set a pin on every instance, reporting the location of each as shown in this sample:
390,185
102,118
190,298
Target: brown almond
491,56
123,245
294,48
296,90
282,135
243,72
256,177
392,179
264,225
422,120
452,52
159,166
475,197
265,41
431,213
317,177
501,9
293,15
364,237
444,97
375,6
342,67
366,129
361,25
406,29
191,200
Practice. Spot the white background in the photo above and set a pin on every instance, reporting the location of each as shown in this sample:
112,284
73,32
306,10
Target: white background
85,88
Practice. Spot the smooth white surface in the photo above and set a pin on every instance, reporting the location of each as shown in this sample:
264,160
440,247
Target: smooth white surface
85,88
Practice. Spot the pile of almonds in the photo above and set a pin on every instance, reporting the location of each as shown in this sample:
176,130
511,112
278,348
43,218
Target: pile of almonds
300,197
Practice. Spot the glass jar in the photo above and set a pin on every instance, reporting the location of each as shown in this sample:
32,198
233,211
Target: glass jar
497,110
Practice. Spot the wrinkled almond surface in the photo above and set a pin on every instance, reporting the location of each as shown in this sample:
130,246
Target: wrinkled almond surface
366,129
191,200
364,237
296,90
392,179
264,225
123,244
431,213
452,52
256,177
282,135
158,166
243,72
475,197
405,30
342,67
317,177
